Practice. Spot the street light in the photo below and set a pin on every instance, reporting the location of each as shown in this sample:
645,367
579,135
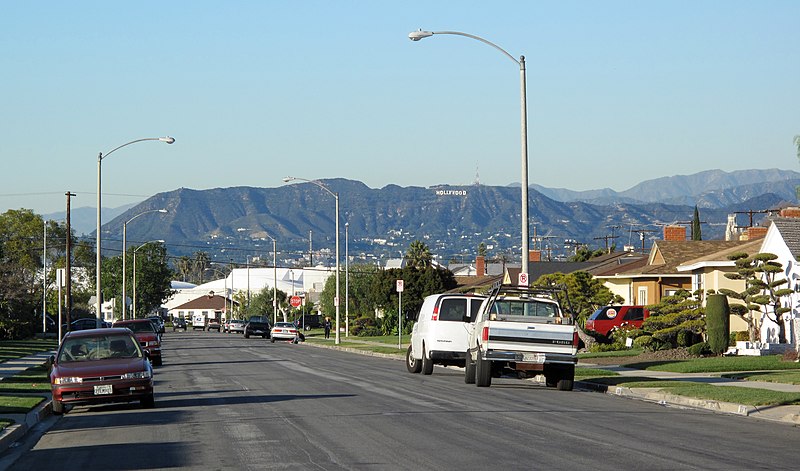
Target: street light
336,197
100,157
416,36
133,315
346,281
274,280
124,254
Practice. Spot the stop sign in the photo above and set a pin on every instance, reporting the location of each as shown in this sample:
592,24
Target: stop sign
295,301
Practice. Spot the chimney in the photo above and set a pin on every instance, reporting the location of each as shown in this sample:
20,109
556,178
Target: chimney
674,233
480,265
757,232
535,256
793,212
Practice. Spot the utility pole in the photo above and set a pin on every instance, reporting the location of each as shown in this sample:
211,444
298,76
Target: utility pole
310,252
751,213
605,238
68,260
641,233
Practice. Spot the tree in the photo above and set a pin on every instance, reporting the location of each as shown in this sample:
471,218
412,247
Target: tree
584,253
183,266
696,232
419,255
481,249
261,303
200,263
677,321
153,278
762,294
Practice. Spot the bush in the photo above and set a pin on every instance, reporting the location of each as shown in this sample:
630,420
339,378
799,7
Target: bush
718,315
742,336
700,349
607,347
361,324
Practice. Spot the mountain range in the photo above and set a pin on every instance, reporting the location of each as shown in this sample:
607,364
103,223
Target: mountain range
452,220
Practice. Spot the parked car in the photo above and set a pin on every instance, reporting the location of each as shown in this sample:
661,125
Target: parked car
99,366
85,324
179,323
309,321
284,331
235,325
440,334
608,318
158,322
214,324
257,325
146,335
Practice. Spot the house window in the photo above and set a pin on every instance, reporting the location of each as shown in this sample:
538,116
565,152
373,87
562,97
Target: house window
670,292
697,282
641,299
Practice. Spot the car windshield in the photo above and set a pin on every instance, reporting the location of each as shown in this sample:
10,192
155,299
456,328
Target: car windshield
137,326
101,347
523,307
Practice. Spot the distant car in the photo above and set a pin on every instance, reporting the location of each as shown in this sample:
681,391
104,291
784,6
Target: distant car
214,324
284,331
158,322
85,324
235,325
179,324
146,335
257,326
100,366
608,318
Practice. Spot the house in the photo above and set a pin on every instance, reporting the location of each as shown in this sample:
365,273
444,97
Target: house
646,281
211,306
783,240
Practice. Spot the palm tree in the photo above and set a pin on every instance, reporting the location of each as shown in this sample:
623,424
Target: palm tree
200,264
184,266
419,255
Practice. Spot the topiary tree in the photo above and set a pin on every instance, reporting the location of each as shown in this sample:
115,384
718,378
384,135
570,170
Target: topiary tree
762,294
718,322
677,321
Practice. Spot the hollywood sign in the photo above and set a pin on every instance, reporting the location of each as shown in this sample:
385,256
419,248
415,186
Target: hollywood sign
451,192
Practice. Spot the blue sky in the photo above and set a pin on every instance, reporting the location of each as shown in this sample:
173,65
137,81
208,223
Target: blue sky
618,92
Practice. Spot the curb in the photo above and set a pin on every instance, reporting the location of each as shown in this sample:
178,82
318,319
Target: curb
355,350
16,431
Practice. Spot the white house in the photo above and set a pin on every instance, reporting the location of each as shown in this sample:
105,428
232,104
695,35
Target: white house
783,240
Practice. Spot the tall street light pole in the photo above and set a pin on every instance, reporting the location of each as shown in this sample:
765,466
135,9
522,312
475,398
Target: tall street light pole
274,280
346,281
133,315
416,36
336,197
124,254
100,157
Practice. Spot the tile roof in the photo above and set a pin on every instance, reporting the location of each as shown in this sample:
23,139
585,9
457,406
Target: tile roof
215,302
749,247
667,255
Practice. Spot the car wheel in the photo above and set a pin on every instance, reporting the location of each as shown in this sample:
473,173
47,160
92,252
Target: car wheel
469,369
427,363
412,364
158,361
148,402
272,339
483,372
246,335
567,379
58,407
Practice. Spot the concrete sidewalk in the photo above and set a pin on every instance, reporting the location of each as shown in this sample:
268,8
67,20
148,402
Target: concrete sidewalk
782,413
24,422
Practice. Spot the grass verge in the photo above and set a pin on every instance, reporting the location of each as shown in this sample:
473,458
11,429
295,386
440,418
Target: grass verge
14,349
616,353
18,404
718,364
31,380
786,377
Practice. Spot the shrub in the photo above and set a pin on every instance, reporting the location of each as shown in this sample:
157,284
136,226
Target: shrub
718,314
643,341
790,355
607,347
361,324
742,336
700,349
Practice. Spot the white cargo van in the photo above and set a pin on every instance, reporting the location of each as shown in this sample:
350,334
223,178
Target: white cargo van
440,334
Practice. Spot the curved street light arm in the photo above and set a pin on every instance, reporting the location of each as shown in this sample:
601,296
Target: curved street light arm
315,182
417,35
167,139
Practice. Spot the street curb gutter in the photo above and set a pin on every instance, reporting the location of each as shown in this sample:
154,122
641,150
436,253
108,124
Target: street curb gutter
654,395
16,431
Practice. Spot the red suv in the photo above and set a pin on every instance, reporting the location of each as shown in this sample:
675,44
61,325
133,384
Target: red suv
607,318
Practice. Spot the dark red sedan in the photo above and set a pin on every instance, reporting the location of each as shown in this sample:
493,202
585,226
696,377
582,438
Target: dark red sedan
145,332
100,366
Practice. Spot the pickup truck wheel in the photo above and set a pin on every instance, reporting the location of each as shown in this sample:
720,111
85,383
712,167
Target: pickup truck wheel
469,369
427,363
565,384
412,364
483,372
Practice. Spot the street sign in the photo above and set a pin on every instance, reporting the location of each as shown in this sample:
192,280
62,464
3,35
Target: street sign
295,301
399,286
523,279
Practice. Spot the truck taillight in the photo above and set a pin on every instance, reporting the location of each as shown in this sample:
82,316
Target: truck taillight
485,335
575,339
435,314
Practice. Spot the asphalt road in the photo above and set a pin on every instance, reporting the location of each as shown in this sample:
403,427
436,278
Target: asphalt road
225,402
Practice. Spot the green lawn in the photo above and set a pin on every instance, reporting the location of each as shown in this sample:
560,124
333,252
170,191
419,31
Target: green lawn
617,353
593,372
718,364
18,404
31,380
787,377
13,349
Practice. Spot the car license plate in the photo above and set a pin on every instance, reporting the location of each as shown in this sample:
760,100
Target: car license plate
103,389
533,357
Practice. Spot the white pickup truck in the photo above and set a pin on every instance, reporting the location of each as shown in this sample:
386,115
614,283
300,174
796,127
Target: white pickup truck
525,330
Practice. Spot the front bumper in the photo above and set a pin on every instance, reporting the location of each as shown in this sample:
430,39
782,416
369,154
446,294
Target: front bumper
122,391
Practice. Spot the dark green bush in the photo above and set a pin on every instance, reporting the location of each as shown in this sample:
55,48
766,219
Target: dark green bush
742,336
700,349
718,315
